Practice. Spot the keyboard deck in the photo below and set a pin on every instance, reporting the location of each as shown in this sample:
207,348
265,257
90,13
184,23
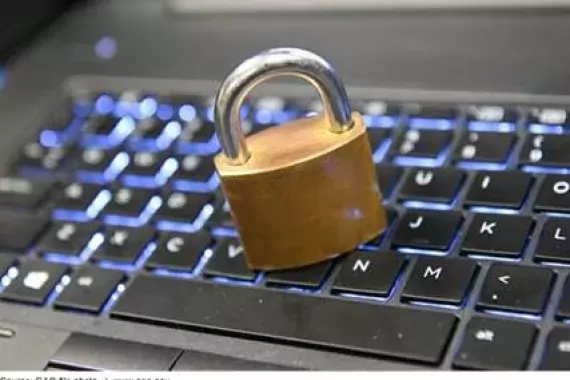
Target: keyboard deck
114,209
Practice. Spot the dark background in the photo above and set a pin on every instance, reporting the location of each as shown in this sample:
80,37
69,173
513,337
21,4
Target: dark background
21,20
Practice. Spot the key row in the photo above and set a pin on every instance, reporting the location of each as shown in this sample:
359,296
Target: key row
439,280
489,236
505,189
423,148
144,104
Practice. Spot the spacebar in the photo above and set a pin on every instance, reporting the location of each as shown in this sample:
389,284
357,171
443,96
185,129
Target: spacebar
359,327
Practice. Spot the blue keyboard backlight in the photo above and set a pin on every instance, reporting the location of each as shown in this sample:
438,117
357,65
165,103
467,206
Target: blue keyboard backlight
436,305
380,153
198,187
489,126
494,210
187,113
501,313
381,121
545,169
428,205
104,104
63,282
417,251
136,221
206,212
114,297
165,112
491,166
147,107
224,231
92,211
547,129
362,297
427,123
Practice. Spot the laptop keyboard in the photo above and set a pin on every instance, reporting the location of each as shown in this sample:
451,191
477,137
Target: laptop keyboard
114,209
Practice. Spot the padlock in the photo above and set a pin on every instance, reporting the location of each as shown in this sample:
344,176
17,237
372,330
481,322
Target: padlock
305,191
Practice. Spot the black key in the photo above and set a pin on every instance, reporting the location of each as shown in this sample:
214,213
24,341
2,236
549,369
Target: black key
564,305
516,288
374,108
492,114
182,207
439,185
553,116
222,216
438,279
202,361
89,289
178,251
67,238
548,150
37,157
146,163
123,244
557,350
18,231
432,111
102,126
376,136
78,196
228,260
113,354
369,273
23,193
495,344
35,282
198,131
6,262
98,160
553,244
484,146
554,194
311,276
497,235
388,176
149,128
126,202
500,189
427,229
420,335
422,143
195,168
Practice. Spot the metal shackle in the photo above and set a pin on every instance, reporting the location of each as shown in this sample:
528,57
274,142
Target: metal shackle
266,65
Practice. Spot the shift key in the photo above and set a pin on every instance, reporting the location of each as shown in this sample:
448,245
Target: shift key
19,193
19,230
384,330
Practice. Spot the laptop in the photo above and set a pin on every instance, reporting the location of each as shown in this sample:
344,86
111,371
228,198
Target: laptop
118,251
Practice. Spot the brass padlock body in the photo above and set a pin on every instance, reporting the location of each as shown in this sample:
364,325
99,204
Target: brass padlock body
305,195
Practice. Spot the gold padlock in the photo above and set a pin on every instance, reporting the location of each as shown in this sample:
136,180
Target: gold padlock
305,191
